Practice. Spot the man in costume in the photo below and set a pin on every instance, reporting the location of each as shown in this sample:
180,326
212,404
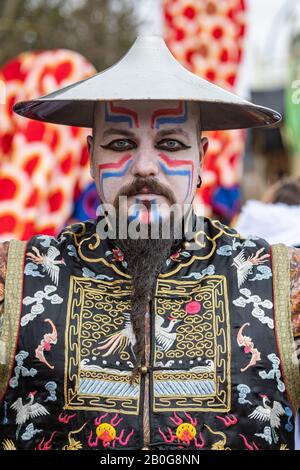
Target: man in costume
184,341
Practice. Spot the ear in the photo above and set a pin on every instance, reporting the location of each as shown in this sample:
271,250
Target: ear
90,146
204,147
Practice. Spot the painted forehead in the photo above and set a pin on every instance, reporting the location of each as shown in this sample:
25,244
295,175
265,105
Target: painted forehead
157,114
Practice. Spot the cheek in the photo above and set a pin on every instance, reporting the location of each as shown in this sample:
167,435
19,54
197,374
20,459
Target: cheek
181,174
111,173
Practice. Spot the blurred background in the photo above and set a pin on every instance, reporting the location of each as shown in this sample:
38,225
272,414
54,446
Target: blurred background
249,47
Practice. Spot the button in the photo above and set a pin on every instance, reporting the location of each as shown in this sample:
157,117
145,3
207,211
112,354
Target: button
143,370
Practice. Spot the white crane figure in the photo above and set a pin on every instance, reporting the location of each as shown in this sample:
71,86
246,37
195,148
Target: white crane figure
120,340
49,262
164,336
27,411
244,266
272,414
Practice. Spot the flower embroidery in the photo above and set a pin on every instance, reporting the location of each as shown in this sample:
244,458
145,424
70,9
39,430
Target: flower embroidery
193,307
178,256
118,254
175,255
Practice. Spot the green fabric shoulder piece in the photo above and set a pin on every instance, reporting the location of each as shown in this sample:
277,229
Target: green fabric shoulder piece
12,309
283,323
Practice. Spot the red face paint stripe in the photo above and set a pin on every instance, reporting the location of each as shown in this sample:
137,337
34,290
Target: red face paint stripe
166,112
116,164
122,110
175,163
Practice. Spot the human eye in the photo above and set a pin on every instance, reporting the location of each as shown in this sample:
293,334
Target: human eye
172,145
119,145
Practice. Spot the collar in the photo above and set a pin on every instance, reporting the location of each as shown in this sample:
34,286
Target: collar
179,249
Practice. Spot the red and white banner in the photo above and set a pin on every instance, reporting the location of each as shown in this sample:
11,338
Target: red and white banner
207,37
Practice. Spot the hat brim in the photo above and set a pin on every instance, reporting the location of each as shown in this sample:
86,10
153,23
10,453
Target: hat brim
214,115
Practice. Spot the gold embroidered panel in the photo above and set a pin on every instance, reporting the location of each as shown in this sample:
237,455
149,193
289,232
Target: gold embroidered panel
197,341
98,353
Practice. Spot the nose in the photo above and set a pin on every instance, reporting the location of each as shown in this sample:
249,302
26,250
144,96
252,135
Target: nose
144,163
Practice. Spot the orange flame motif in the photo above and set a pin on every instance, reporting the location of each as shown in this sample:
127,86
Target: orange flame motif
107,432
46,445
186,432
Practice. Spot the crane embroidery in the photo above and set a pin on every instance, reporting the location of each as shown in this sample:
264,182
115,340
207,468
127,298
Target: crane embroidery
117,342
245,266
27,410
272,414
48,262
120,340
164,335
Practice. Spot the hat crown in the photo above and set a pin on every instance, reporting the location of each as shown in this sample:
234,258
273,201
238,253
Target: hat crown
149,51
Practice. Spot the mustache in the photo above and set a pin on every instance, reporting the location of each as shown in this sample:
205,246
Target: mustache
152,185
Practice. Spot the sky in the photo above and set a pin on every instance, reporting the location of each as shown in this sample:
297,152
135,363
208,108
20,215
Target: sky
269,25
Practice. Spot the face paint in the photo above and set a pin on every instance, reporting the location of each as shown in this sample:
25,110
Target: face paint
113,170
119,114
145,125
171,168
143,214
178,115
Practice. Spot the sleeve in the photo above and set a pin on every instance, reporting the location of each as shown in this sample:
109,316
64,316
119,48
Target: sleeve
3,263
295,299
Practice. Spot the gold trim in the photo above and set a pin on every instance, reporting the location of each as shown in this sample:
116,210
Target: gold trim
171,296
207,239
12,307
86,294
92,247
283,324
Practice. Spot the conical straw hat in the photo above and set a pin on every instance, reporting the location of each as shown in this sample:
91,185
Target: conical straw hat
148,71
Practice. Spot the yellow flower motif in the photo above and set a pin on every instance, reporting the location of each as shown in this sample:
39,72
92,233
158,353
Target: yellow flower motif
186,432
106,432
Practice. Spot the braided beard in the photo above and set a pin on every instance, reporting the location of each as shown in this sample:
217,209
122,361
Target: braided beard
145,258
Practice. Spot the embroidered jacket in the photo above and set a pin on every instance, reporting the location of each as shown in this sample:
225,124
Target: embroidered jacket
219,370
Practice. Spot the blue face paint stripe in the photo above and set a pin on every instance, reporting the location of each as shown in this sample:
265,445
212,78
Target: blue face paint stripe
137,210
115,174
154,210
177,173
172,120
118,118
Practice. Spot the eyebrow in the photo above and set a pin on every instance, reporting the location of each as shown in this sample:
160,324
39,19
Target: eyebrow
174,130
161,133
114,131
